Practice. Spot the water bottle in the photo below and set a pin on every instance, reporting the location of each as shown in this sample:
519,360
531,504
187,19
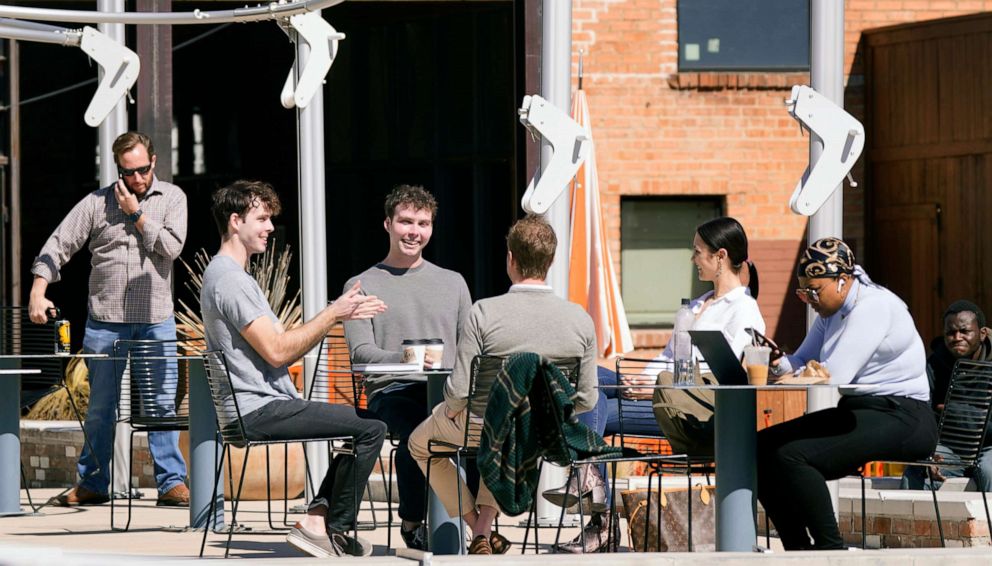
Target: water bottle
683,345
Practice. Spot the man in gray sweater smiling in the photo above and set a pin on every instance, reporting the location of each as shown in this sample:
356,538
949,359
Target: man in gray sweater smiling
528,318
425,301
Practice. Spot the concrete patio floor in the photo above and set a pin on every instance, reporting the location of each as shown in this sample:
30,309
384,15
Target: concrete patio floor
83,536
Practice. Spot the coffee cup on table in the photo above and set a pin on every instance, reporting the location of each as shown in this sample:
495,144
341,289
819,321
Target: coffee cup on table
414,350
756,360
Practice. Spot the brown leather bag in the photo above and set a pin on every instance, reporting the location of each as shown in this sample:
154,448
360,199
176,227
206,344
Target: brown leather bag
671,513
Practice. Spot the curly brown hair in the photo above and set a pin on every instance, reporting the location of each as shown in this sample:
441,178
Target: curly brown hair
239,197
532,242
413,196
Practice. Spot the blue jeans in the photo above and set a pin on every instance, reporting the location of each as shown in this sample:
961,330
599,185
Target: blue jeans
915,477
105,378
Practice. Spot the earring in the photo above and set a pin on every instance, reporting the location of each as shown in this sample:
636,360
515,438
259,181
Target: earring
719,270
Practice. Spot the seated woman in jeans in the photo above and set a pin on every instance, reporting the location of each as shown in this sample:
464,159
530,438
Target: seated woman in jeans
865,336
720,255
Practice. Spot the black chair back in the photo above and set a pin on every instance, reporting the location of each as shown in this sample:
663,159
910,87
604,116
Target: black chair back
333,381
20,336
639,370
232,430
151,367
965,418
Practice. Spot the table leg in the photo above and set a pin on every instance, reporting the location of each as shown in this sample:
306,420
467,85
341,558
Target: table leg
204,451
736,445
10,442
444,529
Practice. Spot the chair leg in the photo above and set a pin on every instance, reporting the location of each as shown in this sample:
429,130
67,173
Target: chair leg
427,503
130,476
268,490
936,507
582,519
561,517
218,466
388,480
532,517
27,490
237,500
458,484
647,515
864,517
86,438
688,507
614,544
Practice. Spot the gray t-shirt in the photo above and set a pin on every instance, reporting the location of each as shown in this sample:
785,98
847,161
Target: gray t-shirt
230,299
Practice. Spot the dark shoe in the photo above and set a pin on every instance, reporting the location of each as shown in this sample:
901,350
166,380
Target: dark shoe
314,544
499,543
415,538
347,545
175,497
480,545
79,495
593,538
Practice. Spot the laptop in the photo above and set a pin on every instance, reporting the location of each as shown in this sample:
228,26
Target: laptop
727,368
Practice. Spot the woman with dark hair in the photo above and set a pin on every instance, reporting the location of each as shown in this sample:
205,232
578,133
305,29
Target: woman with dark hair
864,336
720,252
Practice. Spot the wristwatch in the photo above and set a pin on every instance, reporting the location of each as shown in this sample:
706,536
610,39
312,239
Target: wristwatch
134,216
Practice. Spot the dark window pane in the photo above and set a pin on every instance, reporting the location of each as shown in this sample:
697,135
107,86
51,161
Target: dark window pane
717,35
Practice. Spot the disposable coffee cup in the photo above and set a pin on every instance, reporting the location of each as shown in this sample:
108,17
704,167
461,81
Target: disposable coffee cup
414,350
756,359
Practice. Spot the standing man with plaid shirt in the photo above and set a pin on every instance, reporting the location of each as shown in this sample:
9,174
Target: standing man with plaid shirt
136,229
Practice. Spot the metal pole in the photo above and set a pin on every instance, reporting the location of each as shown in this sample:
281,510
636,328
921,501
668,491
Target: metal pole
101,16
313,235
15,173
827,78
114,125
556,86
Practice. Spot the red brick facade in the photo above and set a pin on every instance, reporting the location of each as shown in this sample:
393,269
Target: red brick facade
661,132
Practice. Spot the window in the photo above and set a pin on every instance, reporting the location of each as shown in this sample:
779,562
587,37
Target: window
743,35
656,255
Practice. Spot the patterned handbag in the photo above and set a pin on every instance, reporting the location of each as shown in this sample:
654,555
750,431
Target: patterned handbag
645,516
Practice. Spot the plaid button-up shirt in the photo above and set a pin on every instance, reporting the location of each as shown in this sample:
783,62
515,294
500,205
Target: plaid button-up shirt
131,275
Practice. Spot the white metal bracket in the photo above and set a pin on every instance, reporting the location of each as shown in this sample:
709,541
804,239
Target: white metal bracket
120,71
843,139
323,41
570,145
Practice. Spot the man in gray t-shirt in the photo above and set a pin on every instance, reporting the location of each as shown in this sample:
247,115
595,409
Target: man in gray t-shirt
425,301
238,321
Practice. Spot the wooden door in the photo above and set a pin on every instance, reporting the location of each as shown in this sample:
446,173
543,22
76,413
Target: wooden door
905,252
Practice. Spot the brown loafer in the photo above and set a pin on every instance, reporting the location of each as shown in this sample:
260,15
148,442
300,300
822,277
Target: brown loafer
480,545
499,543
79,495
175,497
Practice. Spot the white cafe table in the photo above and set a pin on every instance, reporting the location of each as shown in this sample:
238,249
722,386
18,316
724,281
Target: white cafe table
735,417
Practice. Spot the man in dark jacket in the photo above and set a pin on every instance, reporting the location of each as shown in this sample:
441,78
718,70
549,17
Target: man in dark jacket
965,337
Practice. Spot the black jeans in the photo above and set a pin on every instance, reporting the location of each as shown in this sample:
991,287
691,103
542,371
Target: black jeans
796,458
403,406
289,420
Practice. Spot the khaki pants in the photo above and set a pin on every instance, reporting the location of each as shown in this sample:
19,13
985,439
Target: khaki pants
444,475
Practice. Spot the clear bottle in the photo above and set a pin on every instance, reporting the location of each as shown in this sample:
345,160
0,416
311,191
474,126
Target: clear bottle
683,345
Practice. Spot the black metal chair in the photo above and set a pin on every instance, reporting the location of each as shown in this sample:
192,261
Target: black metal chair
233,433
962,429
147,364
20,336
334,382
573,466
631,369
481,377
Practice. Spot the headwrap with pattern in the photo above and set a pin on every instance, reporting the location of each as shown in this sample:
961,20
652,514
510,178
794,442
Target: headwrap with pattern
826,257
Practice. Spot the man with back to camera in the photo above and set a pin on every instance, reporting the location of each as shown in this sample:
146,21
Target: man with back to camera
238,321
965,337
425,301
136,229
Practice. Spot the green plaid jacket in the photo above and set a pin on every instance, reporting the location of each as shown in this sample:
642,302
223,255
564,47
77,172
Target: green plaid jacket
520,427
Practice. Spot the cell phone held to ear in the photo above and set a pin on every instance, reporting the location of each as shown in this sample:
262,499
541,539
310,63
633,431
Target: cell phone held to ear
763,340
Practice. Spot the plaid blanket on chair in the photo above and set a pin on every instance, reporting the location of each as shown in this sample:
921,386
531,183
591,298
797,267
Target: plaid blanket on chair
522,425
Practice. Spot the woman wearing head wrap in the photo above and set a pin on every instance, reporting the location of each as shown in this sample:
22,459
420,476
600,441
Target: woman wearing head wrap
864,335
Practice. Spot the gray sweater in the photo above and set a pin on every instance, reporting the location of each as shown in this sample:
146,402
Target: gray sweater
423,302
528,318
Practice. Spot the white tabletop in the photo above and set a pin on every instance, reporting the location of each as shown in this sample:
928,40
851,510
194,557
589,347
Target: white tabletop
19,371
52,356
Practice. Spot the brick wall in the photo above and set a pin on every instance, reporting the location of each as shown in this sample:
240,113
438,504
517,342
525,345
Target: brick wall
660,132
910,532
49,456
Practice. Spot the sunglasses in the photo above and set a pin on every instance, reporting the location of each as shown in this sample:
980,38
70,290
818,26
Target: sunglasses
808,296
143,170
